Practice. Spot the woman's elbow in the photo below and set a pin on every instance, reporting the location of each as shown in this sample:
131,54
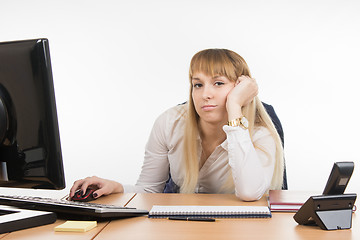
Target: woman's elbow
249,196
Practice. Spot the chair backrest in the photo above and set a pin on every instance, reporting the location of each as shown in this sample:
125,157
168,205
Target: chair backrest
171,187
270,110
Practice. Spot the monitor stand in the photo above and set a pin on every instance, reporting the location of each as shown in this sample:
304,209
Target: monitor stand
13,219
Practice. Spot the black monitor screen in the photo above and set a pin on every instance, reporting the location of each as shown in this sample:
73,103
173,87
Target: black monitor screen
30,152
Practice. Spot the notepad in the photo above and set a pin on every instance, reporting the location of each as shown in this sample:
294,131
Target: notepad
210,211
76,226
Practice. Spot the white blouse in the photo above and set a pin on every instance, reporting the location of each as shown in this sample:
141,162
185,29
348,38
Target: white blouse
251,167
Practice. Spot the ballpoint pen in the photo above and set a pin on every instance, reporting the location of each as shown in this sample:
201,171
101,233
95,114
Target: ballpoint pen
201,219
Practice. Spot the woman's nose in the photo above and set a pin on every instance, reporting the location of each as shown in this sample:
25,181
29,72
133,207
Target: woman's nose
207,93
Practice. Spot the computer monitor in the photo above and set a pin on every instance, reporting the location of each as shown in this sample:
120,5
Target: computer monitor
30,152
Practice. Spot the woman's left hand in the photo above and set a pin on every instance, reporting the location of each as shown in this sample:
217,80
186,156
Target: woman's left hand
242,94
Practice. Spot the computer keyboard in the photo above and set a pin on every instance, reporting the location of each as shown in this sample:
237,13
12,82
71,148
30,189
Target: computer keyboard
72,209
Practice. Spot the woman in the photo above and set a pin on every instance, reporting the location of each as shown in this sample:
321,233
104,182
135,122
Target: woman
221,141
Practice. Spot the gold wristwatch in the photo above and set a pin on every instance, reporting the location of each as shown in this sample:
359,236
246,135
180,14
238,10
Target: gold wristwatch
239,122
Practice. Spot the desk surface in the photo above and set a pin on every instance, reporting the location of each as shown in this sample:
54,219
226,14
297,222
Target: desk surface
47,231
280,226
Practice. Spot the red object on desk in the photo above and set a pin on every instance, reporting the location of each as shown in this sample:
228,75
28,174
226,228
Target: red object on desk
287,201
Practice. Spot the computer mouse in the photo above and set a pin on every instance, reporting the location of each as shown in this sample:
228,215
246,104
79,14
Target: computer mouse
84,197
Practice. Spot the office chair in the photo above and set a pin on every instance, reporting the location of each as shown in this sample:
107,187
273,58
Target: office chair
270,110
171,187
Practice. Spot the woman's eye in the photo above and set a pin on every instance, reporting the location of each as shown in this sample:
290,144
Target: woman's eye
219,83
197,85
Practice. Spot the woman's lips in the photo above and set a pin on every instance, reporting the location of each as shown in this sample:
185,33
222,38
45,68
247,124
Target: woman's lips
208,107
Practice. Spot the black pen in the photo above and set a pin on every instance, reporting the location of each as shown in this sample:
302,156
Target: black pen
201,219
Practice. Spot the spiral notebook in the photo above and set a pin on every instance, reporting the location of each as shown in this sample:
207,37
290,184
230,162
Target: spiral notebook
210,211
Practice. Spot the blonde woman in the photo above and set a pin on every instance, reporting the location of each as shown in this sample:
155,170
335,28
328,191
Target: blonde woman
221,141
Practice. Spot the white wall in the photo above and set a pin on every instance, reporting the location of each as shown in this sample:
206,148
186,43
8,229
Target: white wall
118,64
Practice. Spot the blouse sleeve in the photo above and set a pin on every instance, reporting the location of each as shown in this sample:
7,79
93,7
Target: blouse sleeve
155,169
252,167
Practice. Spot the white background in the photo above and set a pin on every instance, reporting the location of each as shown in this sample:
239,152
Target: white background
118,64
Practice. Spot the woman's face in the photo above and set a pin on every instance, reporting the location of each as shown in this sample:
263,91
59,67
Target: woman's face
209,95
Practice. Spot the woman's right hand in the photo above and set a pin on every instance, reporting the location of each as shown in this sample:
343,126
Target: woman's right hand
245,90
103,186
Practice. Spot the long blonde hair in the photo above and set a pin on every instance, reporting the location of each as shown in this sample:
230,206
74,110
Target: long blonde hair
226,63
